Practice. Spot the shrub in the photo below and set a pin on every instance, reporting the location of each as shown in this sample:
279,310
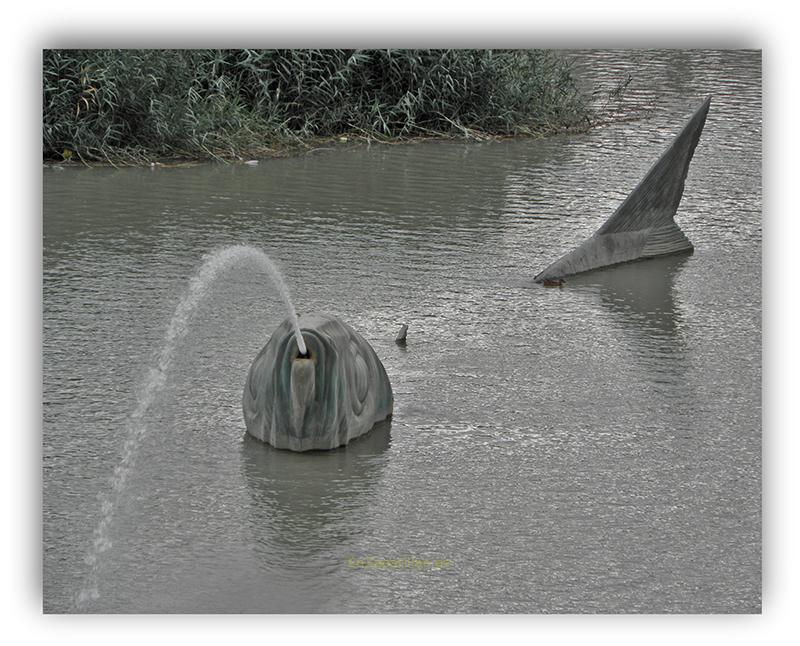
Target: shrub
132,105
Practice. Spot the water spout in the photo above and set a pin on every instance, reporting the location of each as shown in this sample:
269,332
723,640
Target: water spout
153,383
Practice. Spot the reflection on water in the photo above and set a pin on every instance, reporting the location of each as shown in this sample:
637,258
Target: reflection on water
304,503
594,448
646,317
641,292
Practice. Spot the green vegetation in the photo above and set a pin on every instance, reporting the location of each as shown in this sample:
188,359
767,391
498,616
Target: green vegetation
134,106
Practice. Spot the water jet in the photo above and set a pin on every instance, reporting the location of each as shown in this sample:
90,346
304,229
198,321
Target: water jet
153,383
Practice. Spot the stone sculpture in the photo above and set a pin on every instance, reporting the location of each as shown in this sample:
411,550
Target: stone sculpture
338,391
643,226
402,333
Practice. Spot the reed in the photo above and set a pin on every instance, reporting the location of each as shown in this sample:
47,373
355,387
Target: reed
133,106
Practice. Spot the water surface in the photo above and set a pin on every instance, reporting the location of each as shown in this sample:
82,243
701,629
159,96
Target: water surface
594,448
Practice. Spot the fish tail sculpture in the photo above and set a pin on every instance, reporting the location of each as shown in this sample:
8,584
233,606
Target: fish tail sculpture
643,226
338,391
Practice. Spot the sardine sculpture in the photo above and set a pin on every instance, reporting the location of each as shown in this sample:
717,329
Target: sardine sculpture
643,226
338,391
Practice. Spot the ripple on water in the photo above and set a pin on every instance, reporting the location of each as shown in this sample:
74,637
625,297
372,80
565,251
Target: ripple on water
590,448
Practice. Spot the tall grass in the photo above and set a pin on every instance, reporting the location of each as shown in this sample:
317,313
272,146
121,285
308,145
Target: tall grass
134,105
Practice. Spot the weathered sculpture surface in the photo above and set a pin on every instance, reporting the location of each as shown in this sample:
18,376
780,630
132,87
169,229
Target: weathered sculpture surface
337,392
643,226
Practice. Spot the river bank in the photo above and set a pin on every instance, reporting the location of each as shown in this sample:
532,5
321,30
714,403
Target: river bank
256,154
143,107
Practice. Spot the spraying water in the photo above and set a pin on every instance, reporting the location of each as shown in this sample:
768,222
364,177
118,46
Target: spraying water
154,381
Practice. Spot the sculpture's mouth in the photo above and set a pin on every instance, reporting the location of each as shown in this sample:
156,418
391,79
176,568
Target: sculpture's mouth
302,384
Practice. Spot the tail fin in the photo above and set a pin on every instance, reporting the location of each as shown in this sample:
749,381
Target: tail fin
643,225
655,200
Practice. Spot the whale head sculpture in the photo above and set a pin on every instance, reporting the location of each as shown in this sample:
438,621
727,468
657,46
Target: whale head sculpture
338,391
